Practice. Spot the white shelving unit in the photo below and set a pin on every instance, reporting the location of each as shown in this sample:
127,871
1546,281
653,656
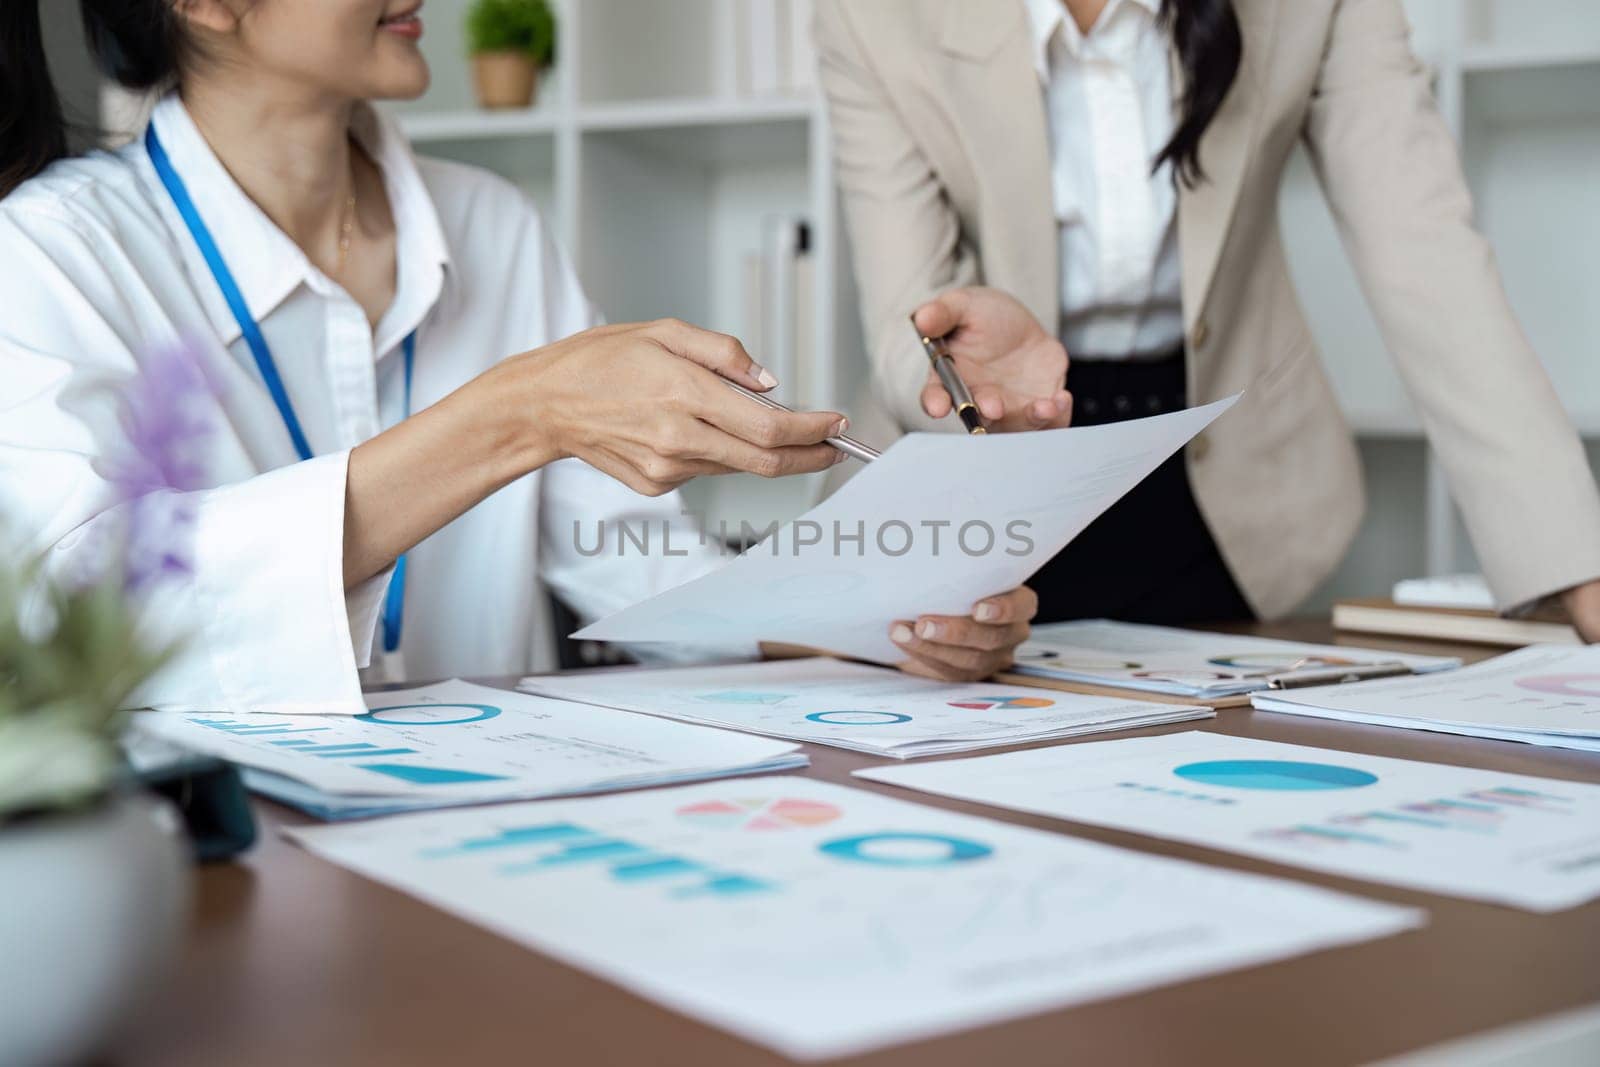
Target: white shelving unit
1519,83
658,176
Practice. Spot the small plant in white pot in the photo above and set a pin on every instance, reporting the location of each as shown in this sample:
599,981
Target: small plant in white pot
511,42
94,876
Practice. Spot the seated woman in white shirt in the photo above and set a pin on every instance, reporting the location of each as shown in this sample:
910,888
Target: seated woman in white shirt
333,284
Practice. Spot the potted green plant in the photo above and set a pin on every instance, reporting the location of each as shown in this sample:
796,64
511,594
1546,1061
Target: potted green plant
511,42
94,874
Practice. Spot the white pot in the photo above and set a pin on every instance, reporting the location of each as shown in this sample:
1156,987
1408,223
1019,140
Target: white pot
92,907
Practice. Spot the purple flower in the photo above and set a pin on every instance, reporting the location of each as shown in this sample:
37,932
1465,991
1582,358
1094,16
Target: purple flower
167,416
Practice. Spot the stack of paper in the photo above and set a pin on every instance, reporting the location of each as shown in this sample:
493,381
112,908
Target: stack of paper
867,709
822,921
457,743
1507,838
1190,663
1544,695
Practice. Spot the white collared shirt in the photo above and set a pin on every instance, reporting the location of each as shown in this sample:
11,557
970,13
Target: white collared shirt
1108,97
98,268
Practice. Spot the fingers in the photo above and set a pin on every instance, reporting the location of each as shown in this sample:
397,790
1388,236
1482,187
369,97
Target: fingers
731,454
945,662
762,426
943,314
991,402
1052,413
1018,605
959,632
961,647
687,447
935,401
716,352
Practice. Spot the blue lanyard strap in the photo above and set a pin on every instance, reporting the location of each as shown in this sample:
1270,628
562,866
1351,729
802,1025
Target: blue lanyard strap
230,289
394,605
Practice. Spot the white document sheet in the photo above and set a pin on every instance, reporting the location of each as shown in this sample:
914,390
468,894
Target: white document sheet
1541,695
935,525
1190,663
1532,843
850,705
456,743
822,921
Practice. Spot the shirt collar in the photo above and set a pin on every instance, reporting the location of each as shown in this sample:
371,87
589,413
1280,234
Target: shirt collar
265,263
1046,18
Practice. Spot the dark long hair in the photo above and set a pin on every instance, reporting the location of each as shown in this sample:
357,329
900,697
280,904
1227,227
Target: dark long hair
136,43
1206,36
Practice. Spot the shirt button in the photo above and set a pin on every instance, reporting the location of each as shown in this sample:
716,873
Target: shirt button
1201,332
1200,447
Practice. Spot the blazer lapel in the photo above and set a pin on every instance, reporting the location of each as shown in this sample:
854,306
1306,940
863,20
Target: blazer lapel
994,93
1205,213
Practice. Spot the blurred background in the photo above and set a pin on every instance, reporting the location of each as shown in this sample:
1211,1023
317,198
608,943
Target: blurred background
679,148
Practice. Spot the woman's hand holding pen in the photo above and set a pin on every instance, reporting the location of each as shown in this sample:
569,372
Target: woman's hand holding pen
1016,371
642,402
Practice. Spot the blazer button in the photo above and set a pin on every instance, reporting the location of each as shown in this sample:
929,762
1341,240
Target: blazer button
1199,447
1201,332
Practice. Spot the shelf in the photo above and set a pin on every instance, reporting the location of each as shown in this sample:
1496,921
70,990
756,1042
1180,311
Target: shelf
477,125
715,111
470,124
1482,58
707,135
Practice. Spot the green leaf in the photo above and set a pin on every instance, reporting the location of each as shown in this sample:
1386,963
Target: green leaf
513,25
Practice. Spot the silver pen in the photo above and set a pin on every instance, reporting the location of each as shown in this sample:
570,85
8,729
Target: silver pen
848,445
945,367
1358,672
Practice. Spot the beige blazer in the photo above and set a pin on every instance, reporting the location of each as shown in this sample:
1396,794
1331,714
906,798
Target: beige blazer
940,134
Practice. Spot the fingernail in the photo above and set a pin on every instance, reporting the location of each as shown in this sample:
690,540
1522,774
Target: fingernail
839,457
764,376
840,427
929,630
901,633
986,613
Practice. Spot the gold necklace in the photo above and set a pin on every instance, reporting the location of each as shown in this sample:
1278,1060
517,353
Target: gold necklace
346,228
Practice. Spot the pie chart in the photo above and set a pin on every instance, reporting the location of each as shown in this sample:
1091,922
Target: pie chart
1565,685
1281,776
1002,703
1279,661
758,813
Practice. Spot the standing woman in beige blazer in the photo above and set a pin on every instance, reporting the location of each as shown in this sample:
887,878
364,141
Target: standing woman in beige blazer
1100,178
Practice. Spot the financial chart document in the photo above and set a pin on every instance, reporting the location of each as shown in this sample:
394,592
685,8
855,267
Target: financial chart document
849,705
935,525
1542,695
1532,843
1194,663
456,742
822,921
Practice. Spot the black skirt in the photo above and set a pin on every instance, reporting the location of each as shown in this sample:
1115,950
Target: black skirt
1150,557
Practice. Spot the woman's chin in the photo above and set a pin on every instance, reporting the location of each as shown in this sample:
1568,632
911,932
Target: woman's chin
402,84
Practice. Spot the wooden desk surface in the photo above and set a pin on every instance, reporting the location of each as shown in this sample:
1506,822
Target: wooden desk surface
293,961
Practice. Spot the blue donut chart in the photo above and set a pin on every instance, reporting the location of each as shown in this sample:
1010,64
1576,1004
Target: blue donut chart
858,849
879,718
479,712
